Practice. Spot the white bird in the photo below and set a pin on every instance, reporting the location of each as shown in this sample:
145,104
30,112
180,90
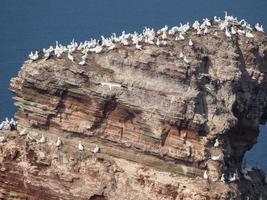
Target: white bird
216,144
2,139
206,30
205,175
82,62
219,157
80,146
233,31
241,32
186,60
34,56
70,57
249,34
215,33
189,151
110,85
181,55
42,139
58,142
190,42
247,177
234,177
227,33
138,46
96,149
196,25
2,125
181,37
259,28
23,132
223,178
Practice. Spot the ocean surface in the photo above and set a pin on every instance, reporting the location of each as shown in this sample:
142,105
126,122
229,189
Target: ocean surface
27,25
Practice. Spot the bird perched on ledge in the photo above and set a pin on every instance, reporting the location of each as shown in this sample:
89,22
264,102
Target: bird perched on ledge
96,149
58,142
80,146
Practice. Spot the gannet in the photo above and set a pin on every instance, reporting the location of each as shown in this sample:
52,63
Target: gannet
2,125
138,46
233,32
249,34
2,139
96,49
58,142
223,178
241,32
80,146
205,175
206,30
158,42
258,27
215,33
196,25
110,85
164,36
164,29
189,151
219,157
186,60
181,55
42,139
82,62
199,32
233,178
190,42
23,132
216,144
34,56
70,57
227,33
181,37
96,149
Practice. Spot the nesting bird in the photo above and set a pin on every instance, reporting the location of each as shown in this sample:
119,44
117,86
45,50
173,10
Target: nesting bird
216,144
80,146
42,139
96,149
58,142
23,132
205,175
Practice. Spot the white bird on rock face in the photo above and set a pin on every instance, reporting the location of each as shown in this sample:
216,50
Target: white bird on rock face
259,28
249,35
96,149
190,42
82,63
181,55
205,175
227,33
233,31
2,125
23,132
70,57
186,60
216,144
58,142
219,157
34,56
42,139
223,178
2,139
80,146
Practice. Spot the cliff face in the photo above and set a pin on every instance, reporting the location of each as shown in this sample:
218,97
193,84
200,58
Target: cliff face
162,117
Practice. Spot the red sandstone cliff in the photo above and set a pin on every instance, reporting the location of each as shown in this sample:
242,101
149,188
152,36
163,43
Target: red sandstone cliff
156,128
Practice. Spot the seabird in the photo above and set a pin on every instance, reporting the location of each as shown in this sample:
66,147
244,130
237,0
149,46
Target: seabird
181,37
219,157
249,34
70,57
216,144
205,175
206,30
23,132
2,125
82,62
227,33
181,55
58,142
233,32
2,139
186,60
42,139
189,151
259,28
110,85
196,25
34,56
80,146
96,149
190,42
223,178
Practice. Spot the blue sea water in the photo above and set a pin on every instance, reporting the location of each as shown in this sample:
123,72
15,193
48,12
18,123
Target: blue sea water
33,24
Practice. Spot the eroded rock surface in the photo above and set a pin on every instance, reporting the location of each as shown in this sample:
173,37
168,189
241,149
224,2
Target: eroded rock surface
156,128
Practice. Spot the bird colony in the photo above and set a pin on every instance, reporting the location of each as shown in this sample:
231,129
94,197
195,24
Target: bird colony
230,26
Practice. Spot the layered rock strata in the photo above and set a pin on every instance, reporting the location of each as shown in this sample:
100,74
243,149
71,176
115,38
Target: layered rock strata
162,117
